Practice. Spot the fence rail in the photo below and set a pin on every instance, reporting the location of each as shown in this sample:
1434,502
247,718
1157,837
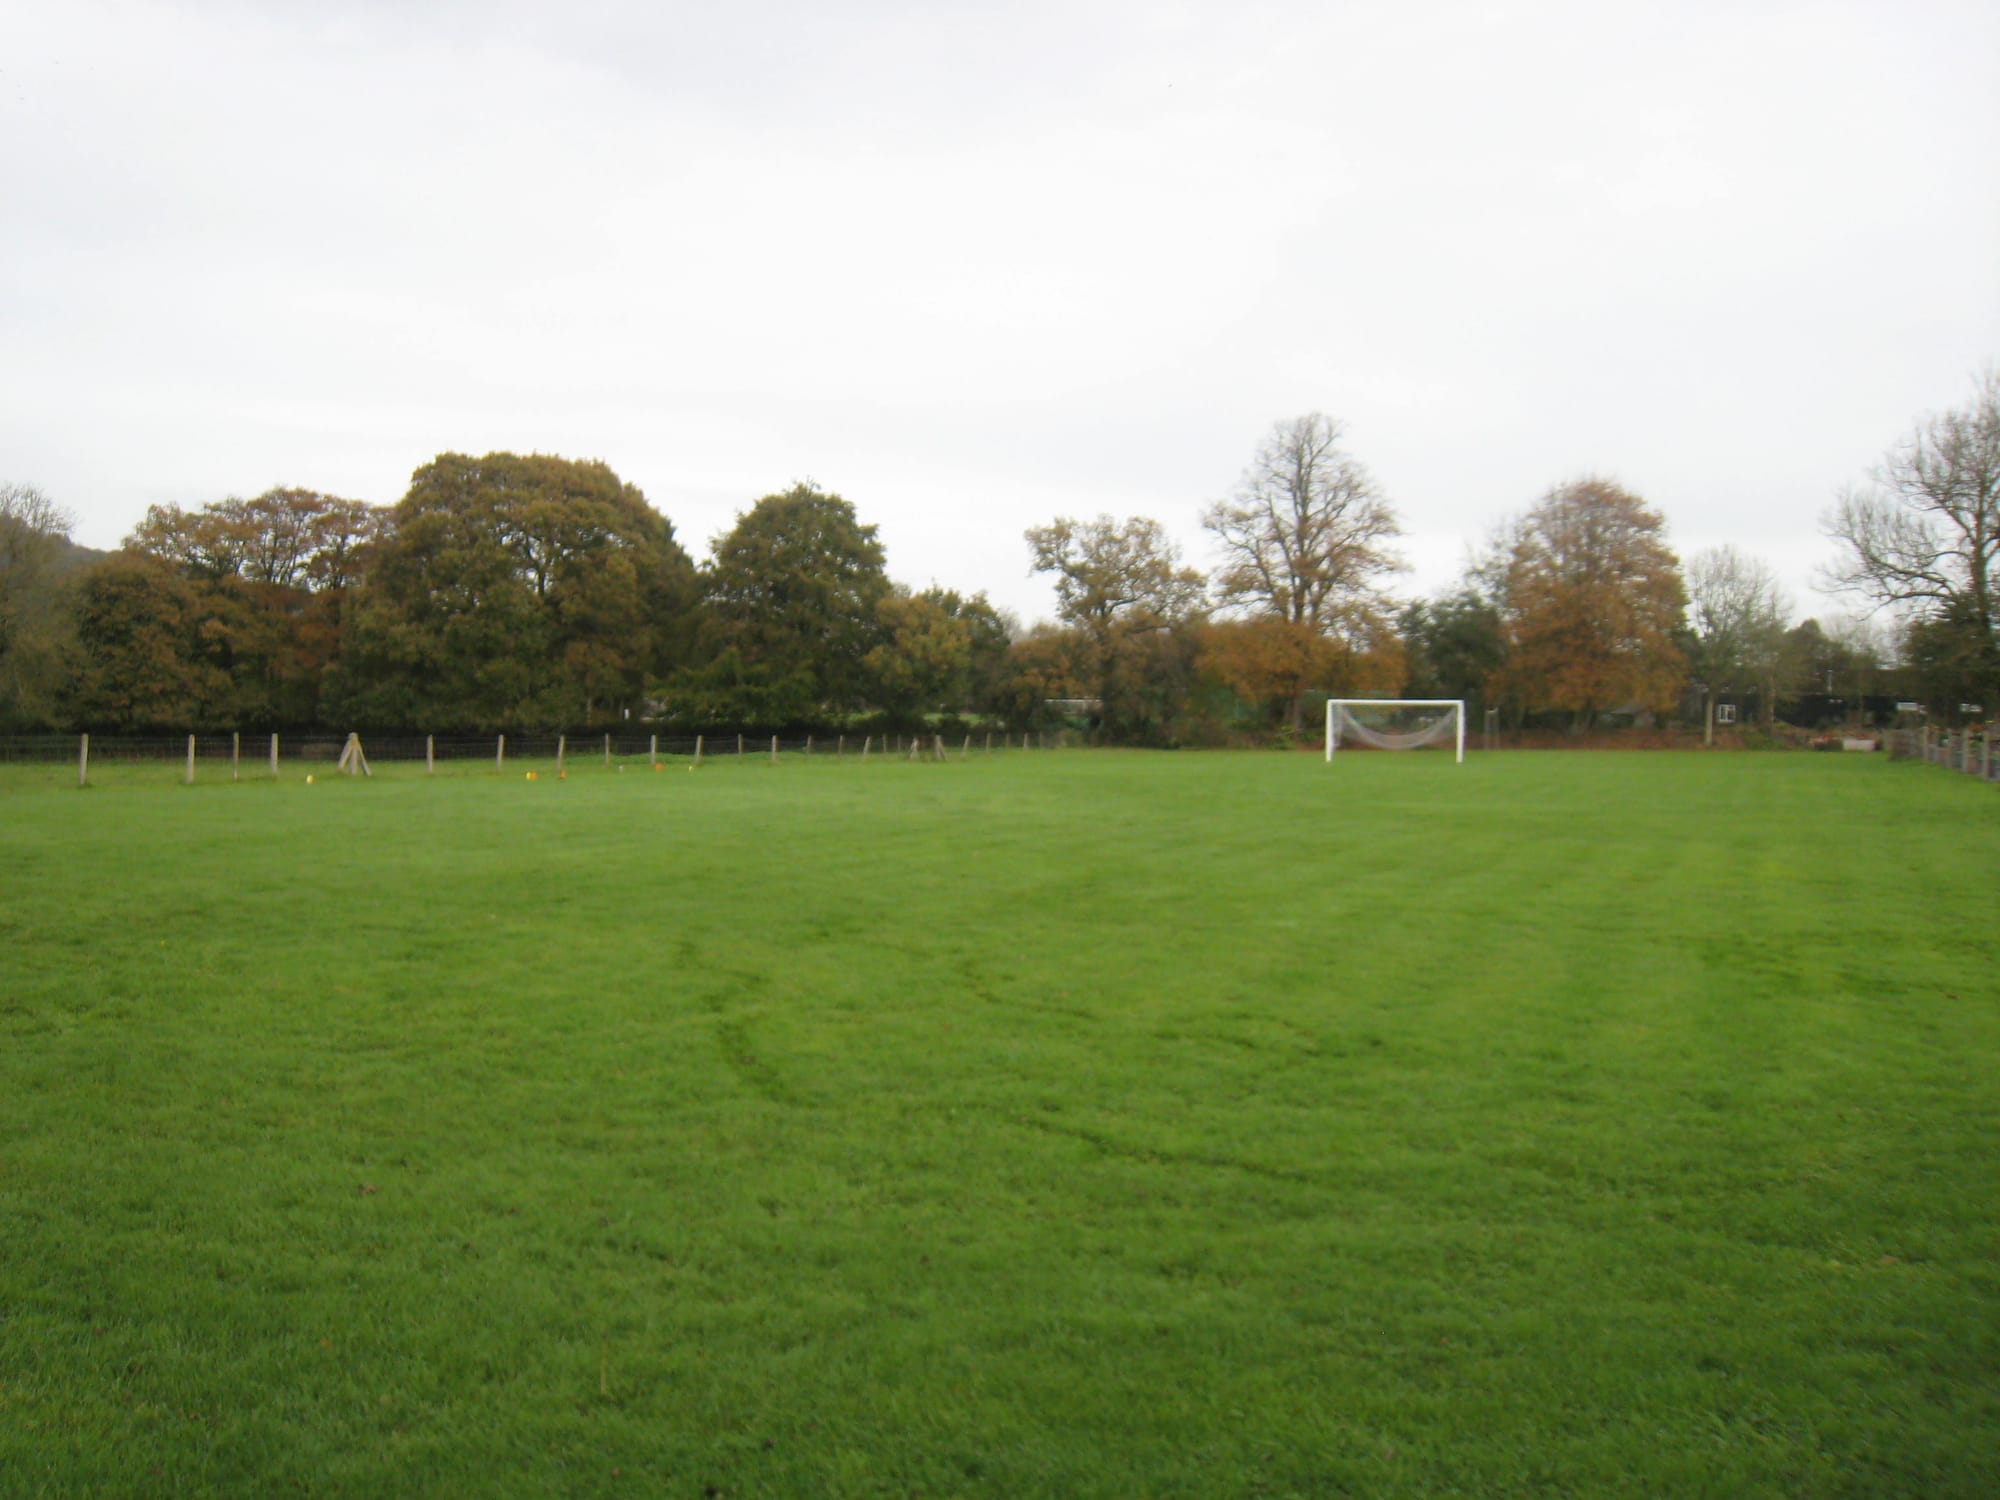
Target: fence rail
243,757
1968,751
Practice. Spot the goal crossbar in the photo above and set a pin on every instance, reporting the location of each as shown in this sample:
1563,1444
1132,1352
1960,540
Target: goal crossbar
1456,705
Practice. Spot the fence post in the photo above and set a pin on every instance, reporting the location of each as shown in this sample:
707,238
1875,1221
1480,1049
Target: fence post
235,751
562,749
774,749
83,761
430,755
607,752
739,744
500,754
809,744
274,757
866,740
697,749
989,742
653,749
840,747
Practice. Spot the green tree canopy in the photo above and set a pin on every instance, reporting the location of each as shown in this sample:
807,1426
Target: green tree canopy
792,595
516,590
938,651
36,627
1453,645
145,663
1121,584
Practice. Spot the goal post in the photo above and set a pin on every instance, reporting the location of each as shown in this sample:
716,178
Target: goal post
1447,718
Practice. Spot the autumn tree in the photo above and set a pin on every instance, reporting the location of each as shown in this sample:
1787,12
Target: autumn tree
990,632
1044,664
270,578
284,538
1923,536
1305,542
1593,598
1122,586
1263,659
516,590
1737,615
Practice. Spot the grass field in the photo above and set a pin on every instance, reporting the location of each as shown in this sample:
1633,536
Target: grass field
1044,1125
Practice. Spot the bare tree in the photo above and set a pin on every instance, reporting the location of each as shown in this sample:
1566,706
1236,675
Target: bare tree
1737,612
1925,532
1305,538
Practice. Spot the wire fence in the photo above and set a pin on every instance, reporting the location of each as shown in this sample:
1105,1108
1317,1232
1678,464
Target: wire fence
1968,751
242,757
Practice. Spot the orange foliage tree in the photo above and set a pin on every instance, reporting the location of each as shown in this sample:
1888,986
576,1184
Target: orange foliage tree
1266,659
1593,600
1305,542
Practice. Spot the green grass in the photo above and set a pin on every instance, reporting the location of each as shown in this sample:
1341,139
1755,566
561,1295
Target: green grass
1042,1125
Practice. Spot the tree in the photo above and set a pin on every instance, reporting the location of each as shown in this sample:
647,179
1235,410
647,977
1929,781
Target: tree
1863,651
1926,530
1264,659
270,577
1736,619
34,624
792,593
923,659
1304,540
143,662
1950,653
285,538
1119,583
1593,599
990,633
515,590
1043,665
1454,645
937,650
1924,536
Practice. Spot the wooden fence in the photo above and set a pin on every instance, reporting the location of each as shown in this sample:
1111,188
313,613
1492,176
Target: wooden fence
245,757
1968,751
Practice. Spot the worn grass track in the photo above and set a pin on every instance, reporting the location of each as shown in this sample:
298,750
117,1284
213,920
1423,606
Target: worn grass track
1071,1124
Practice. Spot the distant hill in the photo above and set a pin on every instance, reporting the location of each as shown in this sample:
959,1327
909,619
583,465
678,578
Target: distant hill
75,556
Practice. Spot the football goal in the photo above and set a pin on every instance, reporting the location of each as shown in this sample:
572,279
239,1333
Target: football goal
1395,723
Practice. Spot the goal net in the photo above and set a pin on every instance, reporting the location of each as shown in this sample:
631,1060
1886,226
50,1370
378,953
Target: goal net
1395,723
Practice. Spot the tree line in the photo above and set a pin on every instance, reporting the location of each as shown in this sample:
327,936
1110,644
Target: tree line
532,592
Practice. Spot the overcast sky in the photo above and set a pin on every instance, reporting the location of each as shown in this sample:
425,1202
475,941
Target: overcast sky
974,267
